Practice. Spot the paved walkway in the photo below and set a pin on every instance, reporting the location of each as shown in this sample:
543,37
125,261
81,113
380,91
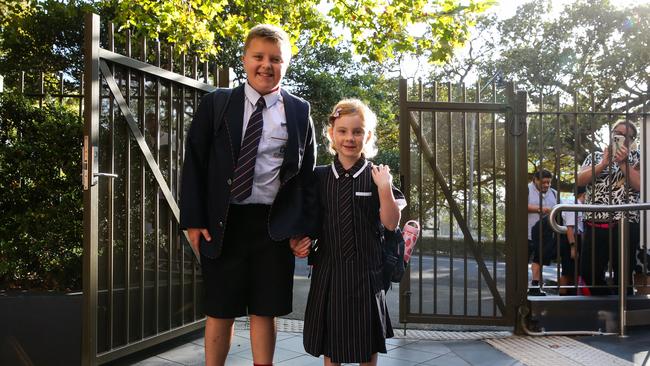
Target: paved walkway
418,347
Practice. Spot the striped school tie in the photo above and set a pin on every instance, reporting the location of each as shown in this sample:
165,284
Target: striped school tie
346,219
242,185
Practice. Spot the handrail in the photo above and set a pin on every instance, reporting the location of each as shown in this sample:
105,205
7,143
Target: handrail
591,208
622,254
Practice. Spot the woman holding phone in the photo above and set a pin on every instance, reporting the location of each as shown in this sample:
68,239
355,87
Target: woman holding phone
611,178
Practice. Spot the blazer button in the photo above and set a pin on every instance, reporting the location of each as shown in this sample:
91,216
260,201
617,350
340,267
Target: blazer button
220,224
229,181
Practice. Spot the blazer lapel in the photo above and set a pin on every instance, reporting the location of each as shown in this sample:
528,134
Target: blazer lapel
235,119
292,154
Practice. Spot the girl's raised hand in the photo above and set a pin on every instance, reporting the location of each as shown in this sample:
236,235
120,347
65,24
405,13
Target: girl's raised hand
381,175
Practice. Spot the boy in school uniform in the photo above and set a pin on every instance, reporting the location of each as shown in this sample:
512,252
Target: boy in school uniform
247,174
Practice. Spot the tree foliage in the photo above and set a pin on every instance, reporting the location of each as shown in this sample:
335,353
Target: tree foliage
592,57
591,47
588,56
40,196
379,29
44,35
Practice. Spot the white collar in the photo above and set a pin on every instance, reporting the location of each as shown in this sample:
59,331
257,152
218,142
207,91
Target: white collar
336,174
253,95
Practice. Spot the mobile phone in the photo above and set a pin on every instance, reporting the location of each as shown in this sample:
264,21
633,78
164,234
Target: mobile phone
617,142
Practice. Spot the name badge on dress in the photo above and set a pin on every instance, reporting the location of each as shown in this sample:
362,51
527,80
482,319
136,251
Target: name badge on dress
363,194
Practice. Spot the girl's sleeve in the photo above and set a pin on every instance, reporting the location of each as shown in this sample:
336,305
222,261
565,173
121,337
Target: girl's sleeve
399,197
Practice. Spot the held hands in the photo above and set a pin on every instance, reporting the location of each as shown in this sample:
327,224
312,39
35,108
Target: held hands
381,176
300,246
195,237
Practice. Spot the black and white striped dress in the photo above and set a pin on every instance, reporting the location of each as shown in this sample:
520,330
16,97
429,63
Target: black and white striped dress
346,317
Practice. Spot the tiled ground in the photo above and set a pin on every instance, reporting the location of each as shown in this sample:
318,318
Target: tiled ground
290,352
421,348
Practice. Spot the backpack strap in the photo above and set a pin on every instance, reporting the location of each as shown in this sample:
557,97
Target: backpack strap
321,170
375,198
220,104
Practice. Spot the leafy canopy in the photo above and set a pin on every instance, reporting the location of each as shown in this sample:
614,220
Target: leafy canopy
44,35
40,195
378,29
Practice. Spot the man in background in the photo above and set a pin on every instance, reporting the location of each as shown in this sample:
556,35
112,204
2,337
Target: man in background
541,199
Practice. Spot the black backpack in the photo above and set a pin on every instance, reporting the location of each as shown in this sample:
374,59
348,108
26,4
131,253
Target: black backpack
392,251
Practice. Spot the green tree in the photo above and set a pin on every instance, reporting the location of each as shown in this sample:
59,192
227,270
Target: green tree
590,55
43,35
40,196
379,29
593,57
592,46
47,35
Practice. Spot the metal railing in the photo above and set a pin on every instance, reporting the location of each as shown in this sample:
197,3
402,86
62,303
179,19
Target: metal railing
563,130
142,284
455,147
638,316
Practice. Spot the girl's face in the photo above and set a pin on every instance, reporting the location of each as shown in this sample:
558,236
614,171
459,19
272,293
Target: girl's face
349,136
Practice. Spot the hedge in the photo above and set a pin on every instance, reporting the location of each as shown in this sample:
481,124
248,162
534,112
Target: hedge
40,196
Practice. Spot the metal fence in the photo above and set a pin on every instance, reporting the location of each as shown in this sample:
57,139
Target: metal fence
459,147
467,157
141,279
564,131
62,87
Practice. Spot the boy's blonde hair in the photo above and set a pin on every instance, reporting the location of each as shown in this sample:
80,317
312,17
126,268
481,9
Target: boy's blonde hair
359,108
272,33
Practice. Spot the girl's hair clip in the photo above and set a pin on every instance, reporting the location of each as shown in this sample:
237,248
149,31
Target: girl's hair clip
337,113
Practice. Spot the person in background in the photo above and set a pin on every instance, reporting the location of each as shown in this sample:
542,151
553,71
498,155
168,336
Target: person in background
611,177
541,199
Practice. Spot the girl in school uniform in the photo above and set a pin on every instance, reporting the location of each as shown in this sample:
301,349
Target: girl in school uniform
346,318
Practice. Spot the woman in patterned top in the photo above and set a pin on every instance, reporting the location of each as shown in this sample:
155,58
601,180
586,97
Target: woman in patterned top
346,318
612,178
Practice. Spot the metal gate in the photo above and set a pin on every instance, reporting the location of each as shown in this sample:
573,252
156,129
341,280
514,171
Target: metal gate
462,156
140,276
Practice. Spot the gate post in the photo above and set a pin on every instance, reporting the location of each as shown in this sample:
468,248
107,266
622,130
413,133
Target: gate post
405,177
91,137
516,202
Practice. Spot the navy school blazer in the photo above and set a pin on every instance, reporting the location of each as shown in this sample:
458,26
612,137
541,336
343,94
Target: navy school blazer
211,151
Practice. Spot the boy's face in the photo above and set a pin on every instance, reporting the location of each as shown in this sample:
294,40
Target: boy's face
265,63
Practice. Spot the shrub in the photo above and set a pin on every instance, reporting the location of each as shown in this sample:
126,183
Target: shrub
40,196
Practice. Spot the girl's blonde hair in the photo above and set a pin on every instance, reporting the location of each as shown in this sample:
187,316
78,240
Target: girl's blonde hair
359,108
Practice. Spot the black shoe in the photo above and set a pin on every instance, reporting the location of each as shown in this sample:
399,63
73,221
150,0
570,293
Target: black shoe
536,291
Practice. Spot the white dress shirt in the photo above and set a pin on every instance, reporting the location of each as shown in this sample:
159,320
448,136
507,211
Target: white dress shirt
270,153
548,200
